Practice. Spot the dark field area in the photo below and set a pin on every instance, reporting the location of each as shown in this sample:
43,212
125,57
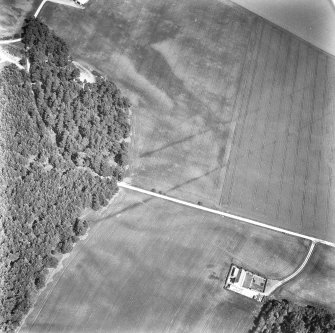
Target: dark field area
147,265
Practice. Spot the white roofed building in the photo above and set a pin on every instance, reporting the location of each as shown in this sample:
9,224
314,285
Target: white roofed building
246,283
81,2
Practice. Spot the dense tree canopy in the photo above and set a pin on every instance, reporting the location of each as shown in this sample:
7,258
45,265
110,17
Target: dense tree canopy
63,149
281,316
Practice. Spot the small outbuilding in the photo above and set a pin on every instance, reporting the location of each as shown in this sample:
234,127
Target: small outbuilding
81,2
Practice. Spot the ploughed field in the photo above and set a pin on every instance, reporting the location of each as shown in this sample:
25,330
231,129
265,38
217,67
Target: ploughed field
281,166
149,265
223,101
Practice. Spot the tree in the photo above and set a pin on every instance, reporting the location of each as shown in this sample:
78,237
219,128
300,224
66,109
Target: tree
282,316
80,227
60,140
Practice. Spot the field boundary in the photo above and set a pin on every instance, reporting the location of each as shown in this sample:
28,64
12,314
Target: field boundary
237,218
235,116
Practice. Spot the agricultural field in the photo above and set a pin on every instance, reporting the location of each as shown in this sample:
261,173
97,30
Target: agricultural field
281,166
148,265
316,282
180,63
228,110
223,101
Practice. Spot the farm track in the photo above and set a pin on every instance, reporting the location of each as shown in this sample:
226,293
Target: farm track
10,41
299,269
226,214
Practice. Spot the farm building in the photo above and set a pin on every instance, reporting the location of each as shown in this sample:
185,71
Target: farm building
246,283
81,2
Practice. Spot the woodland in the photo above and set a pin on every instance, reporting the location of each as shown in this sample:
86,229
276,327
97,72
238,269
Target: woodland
63,146
282,316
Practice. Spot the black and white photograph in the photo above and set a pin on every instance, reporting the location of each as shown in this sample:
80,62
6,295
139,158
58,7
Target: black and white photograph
167,166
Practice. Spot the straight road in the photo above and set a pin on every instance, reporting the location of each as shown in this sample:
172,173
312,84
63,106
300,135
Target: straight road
237,218
40,8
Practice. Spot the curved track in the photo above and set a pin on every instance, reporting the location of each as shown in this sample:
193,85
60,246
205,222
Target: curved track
293,275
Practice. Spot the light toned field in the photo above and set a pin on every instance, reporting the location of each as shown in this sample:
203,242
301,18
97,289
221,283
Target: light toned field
146,265
313,21
281,166
315,284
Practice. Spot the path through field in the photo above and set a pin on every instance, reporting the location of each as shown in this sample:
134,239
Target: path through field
277,284
315,282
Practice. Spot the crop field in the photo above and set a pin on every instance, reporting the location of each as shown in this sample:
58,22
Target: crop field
281,166
150,265
315,284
